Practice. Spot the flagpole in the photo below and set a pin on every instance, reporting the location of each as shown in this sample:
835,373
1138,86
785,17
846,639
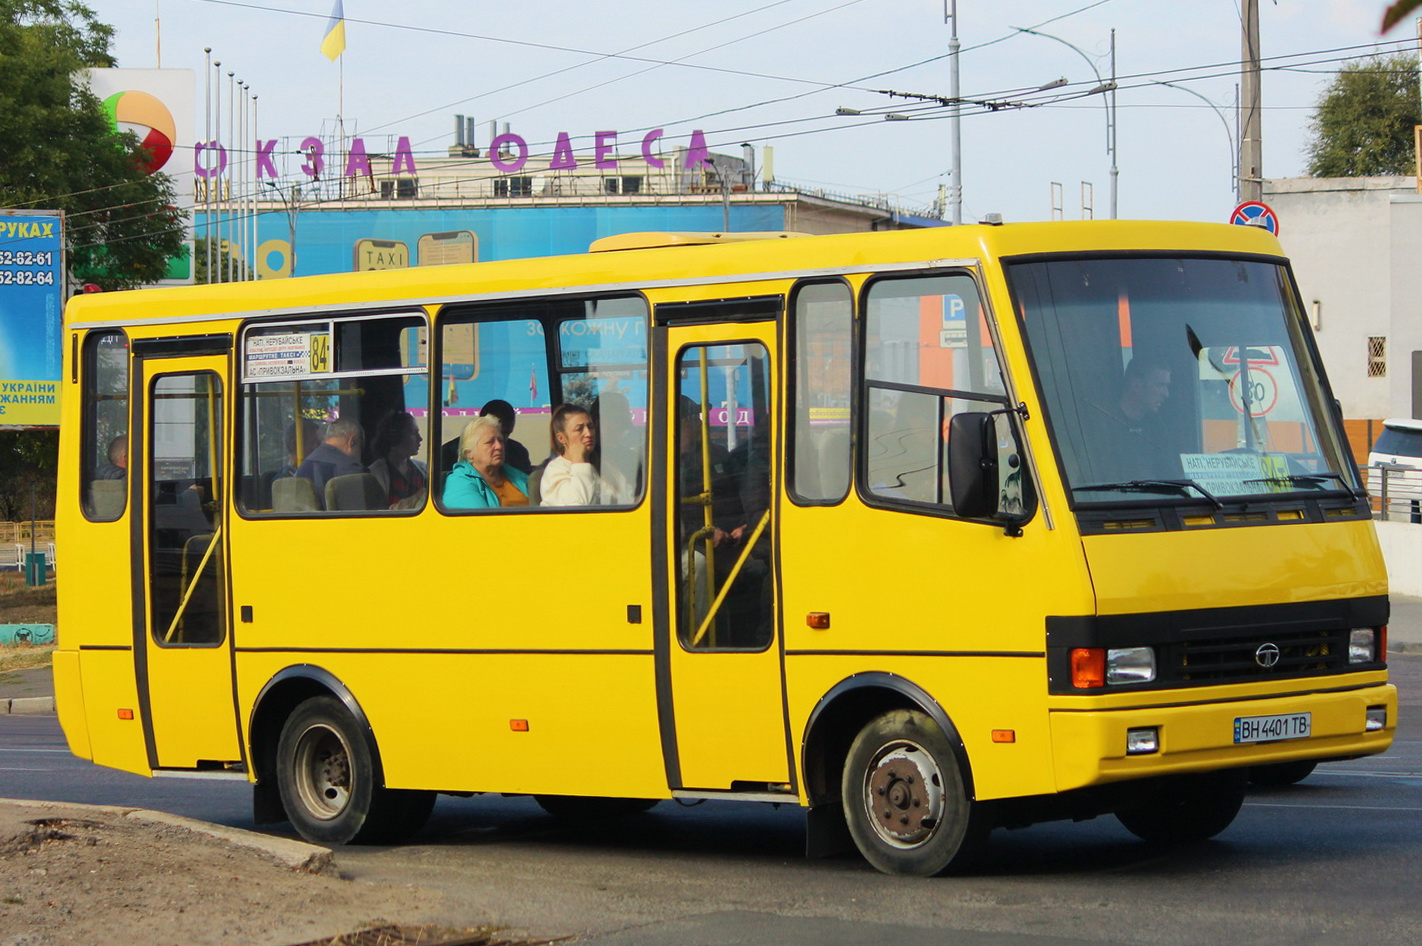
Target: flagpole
207,180
334,46
231,170
341,124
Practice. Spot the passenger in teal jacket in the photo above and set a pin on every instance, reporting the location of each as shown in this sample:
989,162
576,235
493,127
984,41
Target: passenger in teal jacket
481,480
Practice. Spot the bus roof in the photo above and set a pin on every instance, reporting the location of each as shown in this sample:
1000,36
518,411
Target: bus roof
647,260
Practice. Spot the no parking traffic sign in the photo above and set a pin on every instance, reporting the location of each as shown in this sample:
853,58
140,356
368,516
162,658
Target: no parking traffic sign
1253,213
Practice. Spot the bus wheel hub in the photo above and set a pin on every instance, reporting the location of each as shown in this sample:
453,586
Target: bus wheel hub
904,794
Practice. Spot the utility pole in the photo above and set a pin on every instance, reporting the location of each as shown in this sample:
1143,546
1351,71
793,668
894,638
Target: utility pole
1111,129
955,190
1251,148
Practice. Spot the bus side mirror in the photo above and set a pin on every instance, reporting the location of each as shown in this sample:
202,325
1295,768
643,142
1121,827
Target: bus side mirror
972,465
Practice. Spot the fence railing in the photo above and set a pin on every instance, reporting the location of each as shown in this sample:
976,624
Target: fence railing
17,538
1396,491
14,554
20,531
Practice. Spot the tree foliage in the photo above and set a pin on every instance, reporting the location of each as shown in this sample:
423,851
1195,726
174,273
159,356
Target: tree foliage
230,267
1363,125
28,462
58,151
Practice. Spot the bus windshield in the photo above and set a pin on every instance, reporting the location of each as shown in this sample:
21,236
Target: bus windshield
1177,379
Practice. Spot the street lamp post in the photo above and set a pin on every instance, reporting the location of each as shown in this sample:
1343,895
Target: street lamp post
1101,85
1229,134
955,187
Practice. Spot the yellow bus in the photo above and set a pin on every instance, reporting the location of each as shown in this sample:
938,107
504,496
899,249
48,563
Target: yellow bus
929,532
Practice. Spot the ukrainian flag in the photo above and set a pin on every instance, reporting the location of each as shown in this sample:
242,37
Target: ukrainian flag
335,42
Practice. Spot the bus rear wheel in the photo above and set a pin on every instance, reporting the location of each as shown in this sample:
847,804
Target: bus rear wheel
905,799
326,773
1192,808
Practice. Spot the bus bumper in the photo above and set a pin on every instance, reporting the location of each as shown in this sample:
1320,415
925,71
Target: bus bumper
1091,745
69,703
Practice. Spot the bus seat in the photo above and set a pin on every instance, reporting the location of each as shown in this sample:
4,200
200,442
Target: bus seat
106,498
535,483
355,491
293,494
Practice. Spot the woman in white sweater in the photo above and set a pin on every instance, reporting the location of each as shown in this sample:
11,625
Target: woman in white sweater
570,478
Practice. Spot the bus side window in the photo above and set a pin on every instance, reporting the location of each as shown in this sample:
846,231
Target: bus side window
333,416
530,356
928,356
104,447
823,316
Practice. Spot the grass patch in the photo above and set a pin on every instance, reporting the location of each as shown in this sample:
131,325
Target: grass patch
22,604
24,656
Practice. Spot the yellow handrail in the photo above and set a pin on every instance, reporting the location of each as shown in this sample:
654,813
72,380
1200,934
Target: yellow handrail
197,573
730,579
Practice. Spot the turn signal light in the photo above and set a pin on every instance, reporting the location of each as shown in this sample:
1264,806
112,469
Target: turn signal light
125,714
819,620
518,725
1088,667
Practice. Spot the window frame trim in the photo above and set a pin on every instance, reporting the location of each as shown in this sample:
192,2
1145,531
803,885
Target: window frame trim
791,362
673,484
330,320
1009,397
222,474
241,397
453,312
89,453
1294,308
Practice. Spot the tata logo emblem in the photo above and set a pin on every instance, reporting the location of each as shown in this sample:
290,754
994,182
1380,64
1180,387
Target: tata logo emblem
1267,655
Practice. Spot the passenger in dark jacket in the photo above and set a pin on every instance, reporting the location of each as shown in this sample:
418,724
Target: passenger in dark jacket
339,455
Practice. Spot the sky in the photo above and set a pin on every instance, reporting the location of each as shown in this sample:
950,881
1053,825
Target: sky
772,73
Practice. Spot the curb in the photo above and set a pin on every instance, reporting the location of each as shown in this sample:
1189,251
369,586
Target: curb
27,705
292,854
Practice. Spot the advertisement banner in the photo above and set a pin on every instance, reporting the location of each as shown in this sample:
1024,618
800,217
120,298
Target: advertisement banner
339,241
31,301
159,107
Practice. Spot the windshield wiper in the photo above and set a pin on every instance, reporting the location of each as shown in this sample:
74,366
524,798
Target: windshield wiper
1182,487
1305,479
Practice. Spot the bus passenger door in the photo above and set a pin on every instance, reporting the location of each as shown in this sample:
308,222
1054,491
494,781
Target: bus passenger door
182,637
722,656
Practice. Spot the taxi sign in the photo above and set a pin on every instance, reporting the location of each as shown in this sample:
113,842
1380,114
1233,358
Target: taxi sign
1253,213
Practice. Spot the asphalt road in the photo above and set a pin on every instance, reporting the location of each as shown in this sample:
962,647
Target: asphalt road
1331,860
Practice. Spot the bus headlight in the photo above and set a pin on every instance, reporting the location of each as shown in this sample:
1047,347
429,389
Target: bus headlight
1376,720
1130,665
1362,645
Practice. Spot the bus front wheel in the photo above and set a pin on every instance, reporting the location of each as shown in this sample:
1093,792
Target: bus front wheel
1192,808
905,798
326,775
1281,774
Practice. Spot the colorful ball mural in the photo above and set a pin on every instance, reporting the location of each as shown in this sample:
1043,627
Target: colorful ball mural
149,119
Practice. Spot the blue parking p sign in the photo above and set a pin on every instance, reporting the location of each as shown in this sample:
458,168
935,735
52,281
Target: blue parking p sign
954,333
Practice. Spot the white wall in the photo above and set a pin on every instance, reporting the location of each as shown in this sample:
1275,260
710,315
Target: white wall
1402,550
1405,335
1341,234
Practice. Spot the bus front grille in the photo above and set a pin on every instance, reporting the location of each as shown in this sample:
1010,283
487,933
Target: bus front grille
1257,656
